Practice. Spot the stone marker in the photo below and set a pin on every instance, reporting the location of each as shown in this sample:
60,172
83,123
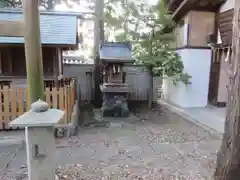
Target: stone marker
40,141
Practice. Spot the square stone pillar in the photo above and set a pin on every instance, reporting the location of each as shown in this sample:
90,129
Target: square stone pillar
40,141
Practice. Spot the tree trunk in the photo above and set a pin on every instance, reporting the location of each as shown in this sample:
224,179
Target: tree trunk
98,39
150,96
228,161
33,51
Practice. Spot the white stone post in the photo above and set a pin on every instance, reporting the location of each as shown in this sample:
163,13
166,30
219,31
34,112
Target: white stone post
40,141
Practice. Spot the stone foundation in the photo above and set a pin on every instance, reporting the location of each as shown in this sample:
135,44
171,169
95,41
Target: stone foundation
115,105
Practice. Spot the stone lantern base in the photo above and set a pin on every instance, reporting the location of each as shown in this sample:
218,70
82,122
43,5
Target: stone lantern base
114,100
115,105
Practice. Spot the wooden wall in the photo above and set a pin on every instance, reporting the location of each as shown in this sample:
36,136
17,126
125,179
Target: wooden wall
225,26
13,61
137,77
83,74
223,77
139,80
193,30
201,25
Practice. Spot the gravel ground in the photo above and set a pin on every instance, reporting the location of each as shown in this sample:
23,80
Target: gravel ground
159,147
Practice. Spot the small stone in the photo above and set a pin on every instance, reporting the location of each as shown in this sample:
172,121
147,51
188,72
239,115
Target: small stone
23,166
121,151
59,132
39,106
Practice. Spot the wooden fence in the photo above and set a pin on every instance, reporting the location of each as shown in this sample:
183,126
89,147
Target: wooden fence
14,102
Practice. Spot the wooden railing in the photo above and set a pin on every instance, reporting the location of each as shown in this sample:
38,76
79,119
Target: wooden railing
14,102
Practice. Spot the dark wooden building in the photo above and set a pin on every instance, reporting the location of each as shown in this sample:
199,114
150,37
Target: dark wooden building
59,31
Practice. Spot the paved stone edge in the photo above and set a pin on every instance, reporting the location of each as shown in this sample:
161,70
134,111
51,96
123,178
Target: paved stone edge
190,119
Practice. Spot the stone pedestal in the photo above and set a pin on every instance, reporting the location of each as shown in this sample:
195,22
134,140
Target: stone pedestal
40,141
114,100
41,150
115,105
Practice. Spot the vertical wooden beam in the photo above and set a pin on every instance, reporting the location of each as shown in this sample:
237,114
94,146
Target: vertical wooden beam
10,64
188,34
55,66
0,62
60,64
98,39
33,51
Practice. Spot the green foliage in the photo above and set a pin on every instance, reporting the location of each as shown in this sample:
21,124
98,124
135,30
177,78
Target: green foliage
145,26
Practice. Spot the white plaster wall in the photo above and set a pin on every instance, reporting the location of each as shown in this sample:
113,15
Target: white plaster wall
197,63
229,4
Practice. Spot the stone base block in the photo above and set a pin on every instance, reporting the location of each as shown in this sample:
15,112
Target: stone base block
115,111
115,105
129,119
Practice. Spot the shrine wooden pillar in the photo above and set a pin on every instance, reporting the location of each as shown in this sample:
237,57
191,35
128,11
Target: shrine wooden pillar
60,61
1,62
55,66
10,63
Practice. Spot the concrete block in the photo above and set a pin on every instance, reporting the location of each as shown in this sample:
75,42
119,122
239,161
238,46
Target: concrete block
40,142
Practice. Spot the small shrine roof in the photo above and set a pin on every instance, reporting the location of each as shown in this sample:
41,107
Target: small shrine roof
116,52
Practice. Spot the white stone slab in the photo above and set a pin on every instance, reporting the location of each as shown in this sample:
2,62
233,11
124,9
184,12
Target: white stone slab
38,119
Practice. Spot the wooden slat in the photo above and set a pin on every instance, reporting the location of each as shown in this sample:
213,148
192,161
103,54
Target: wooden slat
64,98
226,14
1,110
217,55
28,100
226,29
13,103
61,98
20,102
55,97
48,96
225,20
224,24
6,103
12,28
226,35
227,40
72,97
66,104
69,104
